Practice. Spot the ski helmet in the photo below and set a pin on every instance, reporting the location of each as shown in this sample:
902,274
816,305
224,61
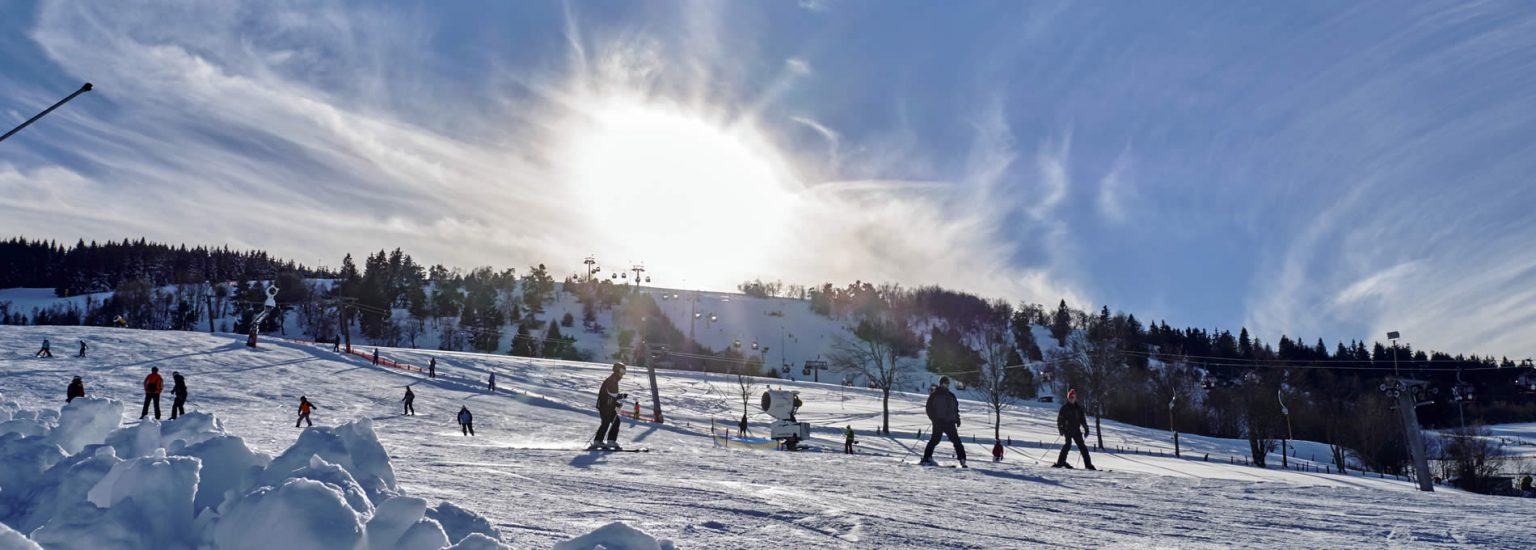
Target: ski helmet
618,367
943,380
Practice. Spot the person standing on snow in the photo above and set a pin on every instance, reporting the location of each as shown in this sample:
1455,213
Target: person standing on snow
741,427
944,412
179,391
409,400
375,356
152,386
608,401
432,368
76,389
305,407
336,345
466,421
43,352
848,440
493,381
82,348
1073,425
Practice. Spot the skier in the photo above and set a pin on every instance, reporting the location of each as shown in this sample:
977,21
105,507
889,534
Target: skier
304,409
466,421
375,356
76,389
82,348
944,412
179,390
637,409
409,400
848,440
997,451
608,400
432,368
152,386
336,344
43,352
742,426
1073,425
493,381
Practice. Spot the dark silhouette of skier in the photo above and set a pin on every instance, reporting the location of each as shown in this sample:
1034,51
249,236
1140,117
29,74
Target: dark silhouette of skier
76,389
179,391
608,401
409,400
432,368
1073,425
944,412
43,352
466,421
82,349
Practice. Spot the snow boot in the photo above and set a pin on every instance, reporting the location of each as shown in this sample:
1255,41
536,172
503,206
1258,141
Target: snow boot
612,445
1090,467
595,446
962,463
1062,465
927,462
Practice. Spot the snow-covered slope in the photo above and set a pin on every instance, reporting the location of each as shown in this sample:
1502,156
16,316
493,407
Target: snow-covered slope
524,471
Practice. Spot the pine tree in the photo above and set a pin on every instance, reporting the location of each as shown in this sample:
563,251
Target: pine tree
1061,324
522,343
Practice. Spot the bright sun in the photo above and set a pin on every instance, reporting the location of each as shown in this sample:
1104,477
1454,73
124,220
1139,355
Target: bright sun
677,191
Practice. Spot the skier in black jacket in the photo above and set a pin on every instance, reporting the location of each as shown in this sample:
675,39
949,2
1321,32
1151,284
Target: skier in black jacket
466,421
410,402
179,390
944,412
608,401
76,389
1072,424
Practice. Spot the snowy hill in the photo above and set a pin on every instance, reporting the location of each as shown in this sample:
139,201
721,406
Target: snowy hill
525,474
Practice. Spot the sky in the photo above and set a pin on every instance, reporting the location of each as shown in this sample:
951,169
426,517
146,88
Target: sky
1317,169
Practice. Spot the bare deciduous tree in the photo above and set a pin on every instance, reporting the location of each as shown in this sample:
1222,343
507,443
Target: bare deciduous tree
990,338
875,351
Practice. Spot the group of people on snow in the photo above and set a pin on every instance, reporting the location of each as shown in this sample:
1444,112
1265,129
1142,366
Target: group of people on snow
943,410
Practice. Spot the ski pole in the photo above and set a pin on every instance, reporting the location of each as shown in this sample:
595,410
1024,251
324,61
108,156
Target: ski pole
1048,449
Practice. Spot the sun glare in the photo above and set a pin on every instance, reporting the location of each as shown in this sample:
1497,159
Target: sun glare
678,191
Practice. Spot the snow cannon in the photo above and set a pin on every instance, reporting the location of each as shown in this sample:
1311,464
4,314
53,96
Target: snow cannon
781,405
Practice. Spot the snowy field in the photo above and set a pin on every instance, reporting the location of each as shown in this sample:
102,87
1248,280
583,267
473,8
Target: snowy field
524,472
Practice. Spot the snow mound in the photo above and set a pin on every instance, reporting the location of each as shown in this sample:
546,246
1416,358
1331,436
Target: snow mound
76,480
615,536
86,420
299,514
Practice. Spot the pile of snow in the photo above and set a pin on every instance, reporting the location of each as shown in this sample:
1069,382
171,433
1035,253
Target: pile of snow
614,536
74,479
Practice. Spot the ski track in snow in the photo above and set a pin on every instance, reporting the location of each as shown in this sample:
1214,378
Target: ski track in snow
703,496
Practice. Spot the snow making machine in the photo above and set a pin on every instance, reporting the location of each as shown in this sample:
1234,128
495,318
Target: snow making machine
781,405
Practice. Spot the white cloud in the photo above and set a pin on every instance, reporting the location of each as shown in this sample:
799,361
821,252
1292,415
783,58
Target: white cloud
798,66
1115,190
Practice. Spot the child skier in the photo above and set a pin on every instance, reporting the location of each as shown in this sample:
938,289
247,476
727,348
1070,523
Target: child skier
409,400
304,409
43,352
76,389
466,421
179,391
848,440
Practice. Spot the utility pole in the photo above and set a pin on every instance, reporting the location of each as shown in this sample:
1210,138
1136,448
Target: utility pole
208,293
1171,427
346,324
83,89
1289,435
1407,394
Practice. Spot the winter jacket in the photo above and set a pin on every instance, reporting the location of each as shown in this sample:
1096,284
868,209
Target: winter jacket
608,394
848,436
178,386
409,396
1071,420
305,407
153,383
76,389
943,408
465,417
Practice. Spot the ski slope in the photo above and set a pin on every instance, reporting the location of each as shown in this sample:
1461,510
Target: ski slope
526,474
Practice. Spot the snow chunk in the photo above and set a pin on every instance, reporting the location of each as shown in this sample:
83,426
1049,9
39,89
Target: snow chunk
190,429
400,523
157,490
85,421
230,469
297,515
353,446
22,463
136,441
615,536
477,541
11,540
459,523
65,484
